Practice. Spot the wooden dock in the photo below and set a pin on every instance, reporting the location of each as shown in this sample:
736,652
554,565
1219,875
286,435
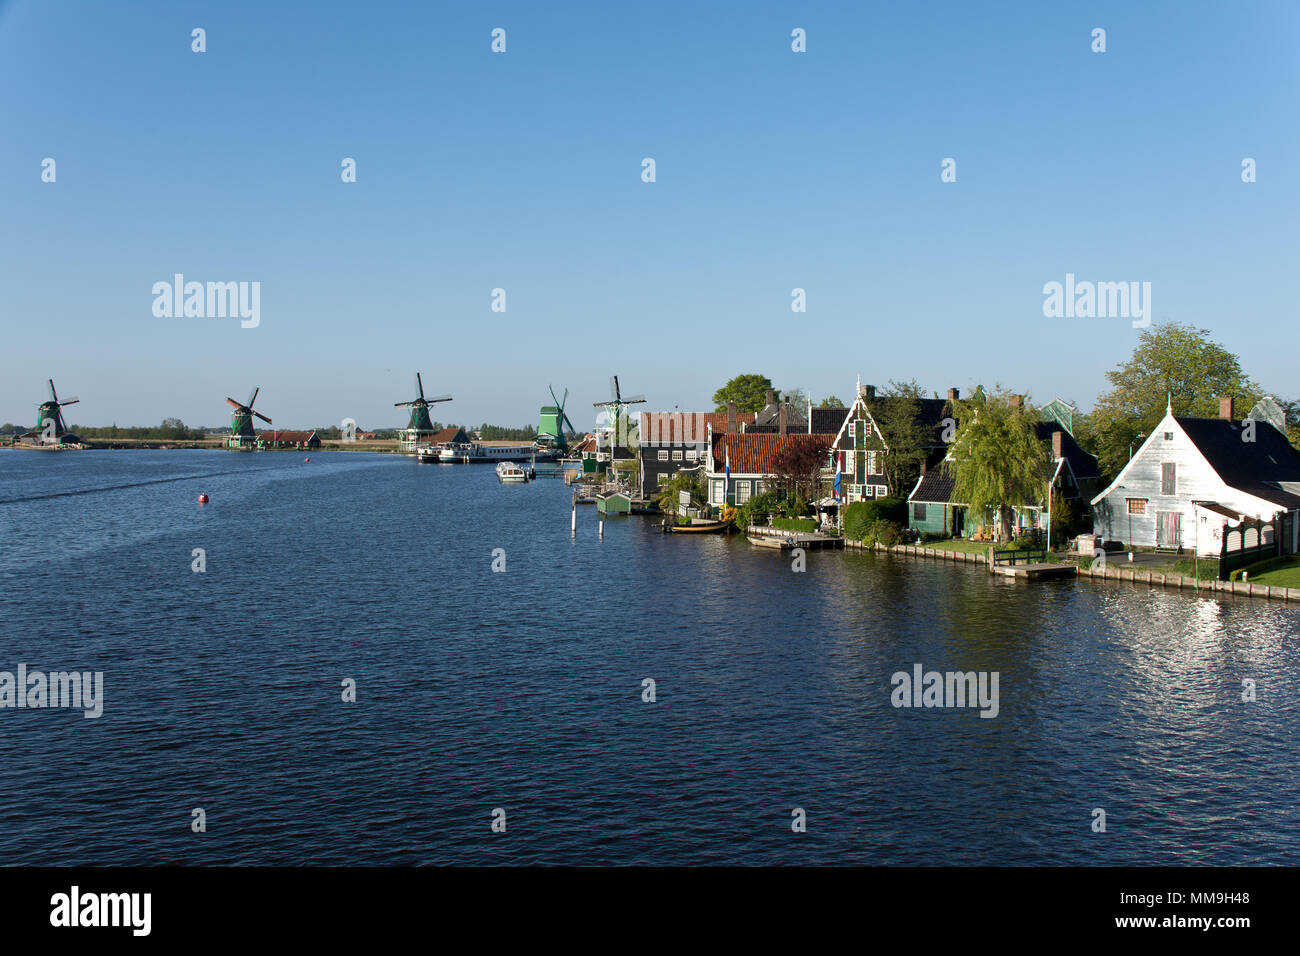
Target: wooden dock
778,539
1032,572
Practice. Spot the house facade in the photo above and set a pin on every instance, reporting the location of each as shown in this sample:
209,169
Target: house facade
671,442
1195,481
931,508
860,448
752,458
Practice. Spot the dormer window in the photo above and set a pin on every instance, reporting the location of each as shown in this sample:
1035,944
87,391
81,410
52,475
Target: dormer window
1169,436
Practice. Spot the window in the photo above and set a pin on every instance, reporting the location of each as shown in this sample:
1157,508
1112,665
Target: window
692,454
663,477
742,492
1169,478
759,487
871,463
852,429
715,491
1137,506
663,455
1169,436
882,491
918,512
677,456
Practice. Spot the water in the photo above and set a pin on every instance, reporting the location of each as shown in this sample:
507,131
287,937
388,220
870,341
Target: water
522,690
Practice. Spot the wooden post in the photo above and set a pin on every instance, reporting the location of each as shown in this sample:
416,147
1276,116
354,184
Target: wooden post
600,528
573,518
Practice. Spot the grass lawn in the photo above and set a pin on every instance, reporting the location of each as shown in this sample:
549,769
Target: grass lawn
957,544
1285,575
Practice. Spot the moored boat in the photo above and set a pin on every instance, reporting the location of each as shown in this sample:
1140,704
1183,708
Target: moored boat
509,471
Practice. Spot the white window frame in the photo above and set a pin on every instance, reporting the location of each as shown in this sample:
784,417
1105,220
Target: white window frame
663,454
677,456
742,491
715,490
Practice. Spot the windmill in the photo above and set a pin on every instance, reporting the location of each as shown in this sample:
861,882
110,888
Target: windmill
551,428
51,428
242,434
616,409
420,423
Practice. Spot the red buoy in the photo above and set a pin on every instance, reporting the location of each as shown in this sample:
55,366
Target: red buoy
306,459
203,499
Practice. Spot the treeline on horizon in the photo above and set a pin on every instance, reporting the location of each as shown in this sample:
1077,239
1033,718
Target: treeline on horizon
173,429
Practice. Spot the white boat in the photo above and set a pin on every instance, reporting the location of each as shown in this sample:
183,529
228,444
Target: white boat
510,471
428,453
479,453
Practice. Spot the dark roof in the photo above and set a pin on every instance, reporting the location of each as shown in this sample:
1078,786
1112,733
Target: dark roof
285,437
935,486
1252,467
753,454
1082,464
768,416
828,421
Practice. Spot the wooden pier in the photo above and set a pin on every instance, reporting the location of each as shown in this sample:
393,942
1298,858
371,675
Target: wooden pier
778,539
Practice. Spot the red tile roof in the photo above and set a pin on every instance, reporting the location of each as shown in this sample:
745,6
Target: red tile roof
680,427
753,454
441,438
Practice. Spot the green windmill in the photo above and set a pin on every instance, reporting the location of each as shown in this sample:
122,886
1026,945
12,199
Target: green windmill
242,434
622,435
420,423
551,428
51,428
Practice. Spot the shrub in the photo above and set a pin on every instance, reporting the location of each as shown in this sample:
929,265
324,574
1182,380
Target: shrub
861,516
795,524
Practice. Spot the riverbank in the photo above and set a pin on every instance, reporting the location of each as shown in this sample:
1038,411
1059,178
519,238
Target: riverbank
1110,572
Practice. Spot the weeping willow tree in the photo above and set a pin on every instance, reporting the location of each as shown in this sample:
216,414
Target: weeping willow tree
998,462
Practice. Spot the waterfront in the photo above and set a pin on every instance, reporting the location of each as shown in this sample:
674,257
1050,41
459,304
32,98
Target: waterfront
522,689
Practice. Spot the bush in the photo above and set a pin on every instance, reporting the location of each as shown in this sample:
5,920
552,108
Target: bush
861,516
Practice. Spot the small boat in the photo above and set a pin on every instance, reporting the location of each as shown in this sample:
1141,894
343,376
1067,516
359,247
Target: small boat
508,471
428,453
701,526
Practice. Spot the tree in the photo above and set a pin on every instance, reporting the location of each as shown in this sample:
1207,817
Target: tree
689,481
998,461
897,411
749,392
797,398
830,401
797,467
1172,364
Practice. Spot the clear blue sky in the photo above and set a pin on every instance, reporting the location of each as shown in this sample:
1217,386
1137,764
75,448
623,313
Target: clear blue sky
523,171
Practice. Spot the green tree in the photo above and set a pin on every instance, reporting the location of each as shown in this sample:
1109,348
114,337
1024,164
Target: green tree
897,411
749,392
1172,364
830,401
998,461
797,399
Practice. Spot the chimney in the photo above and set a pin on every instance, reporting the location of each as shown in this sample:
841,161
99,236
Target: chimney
925,466
869,392
1017,402
1058,444
1227,408
771,397
953,395
783,418
731,418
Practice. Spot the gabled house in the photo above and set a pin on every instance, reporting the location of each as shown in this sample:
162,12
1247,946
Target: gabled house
775,414
676,441
1195,482
752,458
860,448
931,508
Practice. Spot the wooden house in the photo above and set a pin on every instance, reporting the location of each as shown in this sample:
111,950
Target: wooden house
1214,484
288,439
860,448
752,459
931,508
678,441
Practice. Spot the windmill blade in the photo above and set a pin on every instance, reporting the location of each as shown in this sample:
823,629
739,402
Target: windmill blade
253,397
261,416
419,385
613,387
234,404
70,401
402,404
634,400
564,420
563,400
54,396
440,398
551,389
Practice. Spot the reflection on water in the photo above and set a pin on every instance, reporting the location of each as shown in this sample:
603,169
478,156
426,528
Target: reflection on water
522,689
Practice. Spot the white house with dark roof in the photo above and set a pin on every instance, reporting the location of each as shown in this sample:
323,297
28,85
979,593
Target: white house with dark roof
1196,481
